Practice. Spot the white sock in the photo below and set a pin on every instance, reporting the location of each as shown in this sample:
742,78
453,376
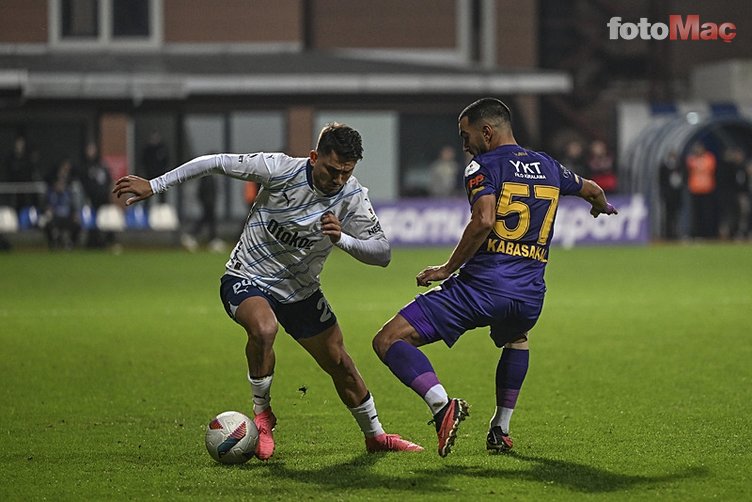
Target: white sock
260,392
367,417
502,418
436,398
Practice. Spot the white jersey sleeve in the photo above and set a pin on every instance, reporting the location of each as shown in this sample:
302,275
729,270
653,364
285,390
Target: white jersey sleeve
376,251
259,167
362,236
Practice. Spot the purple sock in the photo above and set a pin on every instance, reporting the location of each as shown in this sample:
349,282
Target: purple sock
411,366
510,373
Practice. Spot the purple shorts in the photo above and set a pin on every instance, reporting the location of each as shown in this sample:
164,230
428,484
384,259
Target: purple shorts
447,311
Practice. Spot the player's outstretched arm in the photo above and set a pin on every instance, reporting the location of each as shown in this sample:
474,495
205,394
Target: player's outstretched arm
139,187
595,195
251,167
481,222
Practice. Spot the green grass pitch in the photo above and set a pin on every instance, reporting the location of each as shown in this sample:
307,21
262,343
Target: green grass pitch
639,387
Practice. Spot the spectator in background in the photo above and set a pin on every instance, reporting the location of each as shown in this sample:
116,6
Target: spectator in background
746,200
701,182
97,183
601,166
155,158
732,193
671,185
20,168
250,192
5,200
573,157
207,197
60,217
445,174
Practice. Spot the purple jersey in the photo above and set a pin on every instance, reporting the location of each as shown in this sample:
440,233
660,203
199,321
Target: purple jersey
527,186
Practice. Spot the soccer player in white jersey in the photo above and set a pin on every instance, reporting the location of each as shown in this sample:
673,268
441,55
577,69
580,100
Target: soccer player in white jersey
304,208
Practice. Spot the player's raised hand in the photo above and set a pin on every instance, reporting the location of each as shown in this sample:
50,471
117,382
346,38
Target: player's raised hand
431,274
331,226
139,187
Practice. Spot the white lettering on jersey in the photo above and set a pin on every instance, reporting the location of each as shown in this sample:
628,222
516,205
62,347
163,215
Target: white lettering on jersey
528,170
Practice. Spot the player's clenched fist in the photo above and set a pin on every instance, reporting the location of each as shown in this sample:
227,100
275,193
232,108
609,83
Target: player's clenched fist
139,187
331,226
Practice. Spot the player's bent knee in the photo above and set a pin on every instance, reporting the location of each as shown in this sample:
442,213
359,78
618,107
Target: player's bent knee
519,344
381,343
258,319
397,329
261,333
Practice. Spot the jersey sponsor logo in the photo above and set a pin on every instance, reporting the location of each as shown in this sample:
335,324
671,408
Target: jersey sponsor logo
476,181
291,239
376,229
532,251
471,168
527,170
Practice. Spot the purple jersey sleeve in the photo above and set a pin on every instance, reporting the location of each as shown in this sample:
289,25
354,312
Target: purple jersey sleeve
478,182
571,184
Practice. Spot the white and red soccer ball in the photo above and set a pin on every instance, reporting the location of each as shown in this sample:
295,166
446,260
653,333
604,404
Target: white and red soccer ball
231,438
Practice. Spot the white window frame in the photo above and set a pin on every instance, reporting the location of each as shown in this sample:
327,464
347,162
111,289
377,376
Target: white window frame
105,39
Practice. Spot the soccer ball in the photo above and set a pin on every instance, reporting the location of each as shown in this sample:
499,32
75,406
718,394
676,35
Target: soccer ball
231,438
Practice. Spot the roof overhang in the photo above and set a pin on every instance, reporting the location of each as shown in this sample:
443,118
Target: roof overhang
165,77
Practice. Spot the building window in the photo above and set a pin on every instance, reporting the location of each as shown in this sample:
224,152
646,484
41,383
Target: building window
130,18
93,24
80,18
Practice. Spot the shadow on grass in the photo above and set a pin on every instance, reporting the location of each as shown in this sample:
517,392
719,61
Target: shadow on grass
355,474
571,475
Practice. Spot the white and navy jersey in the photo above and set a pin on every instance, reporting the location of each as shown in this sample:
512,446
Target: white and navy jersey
282,250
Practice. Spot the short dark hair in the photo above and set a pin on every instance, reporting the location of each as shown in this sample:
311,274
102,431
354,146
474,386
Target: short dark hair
342,140
487,108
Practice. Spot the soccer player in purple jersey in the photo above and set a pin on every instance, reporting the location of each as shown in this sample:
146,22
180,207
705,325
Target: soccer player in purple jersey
501,258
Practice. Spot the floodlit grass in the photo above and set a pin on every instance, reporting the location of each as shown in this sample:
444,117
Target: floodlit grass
638,389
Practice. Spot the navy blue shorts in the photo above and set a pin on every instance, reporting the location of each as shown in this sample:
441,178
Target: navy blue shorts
447,311
302,319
